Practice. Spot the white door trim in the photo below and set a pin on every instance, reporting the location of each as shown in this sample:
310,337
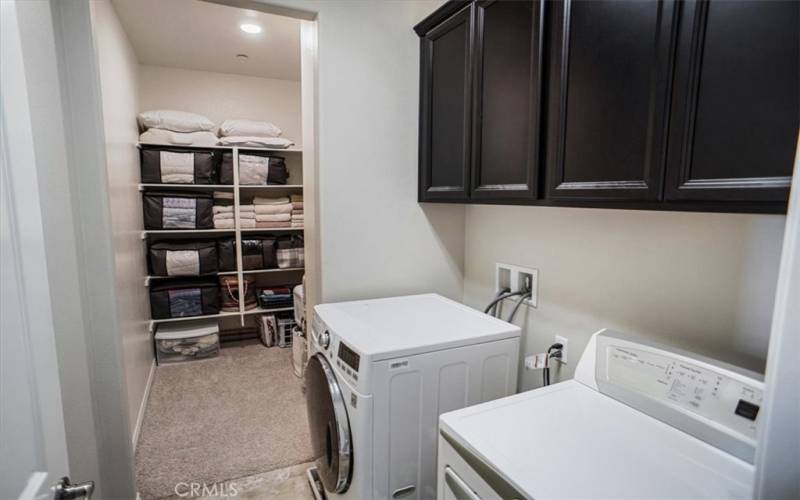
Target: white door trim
778,451
26,258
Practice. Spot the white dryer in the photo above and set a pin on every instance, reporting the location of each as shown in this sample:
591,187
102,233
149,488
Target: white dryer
380,374
639,420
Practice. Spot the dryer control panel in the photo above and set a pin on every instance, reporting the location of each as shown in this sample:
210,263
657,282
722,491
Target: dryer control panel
716,402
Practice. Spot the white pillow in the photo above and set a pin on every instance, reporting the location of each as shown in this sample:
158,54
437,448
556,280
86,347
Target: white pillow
177,121
260,142
248,128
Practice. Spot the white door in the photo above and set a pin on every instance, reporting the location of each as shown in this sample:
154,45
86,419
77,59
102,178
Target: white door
33,450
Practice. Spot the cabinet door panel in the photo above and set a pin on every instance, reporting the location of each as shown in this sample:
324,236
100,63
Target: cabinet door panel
737,101
507,99
609,88
445,109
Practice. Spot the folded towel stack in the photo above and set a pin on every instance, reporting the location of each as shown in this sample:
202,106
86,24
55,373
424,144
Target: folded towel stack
224,216
297,210
272,213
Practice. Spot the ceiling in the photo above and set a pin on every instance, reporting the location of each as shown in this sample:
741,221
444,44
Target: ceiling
198,35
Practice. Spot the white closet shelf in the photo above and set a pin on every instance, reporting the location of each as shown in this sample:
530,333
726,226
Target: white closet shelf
147,232
270,229
154,322
225,148
195,187
148,279
259,310
275,187
263,271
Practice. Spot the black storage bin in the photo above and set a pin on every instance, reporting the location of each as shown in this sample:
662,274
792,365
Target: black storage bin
258,252
181,298
178,210
277,174
183,257
171,165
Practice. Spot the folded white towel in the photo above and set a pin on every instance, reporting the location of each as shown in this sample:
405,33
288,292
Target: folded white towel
223,223
247,208
247,215
223,215
247,223
221,209
258,200
223,195
273,209
273,217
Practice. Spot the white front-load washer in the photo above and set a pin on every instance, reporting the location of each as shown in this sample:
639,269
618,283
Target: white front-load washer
379,375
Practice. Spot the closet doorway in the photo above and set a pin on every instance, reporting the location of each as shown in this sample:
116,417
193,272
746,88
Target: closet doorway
209,122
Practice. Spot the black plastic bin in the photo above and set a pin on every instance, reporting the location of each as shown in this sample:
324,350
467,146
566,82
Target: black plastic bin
174,165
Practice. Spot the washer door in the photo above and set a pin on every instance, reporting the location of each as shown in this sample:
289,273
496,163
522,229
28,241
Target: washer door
330,428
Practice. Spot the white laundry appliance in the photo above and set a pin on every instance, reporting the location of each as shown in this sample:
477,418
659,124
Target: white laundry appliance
639,420
379,375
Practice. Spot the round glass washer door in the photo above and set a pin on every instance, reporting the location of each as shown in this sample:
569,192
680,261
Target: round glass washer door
330,427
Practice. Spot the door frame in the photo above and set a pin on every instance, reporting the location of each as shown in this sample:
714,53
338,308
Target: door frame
39,458
65,105
777,452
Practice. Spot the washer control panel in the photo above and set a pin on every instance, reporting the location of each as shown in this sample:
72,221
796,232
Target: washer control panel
714,401
706,392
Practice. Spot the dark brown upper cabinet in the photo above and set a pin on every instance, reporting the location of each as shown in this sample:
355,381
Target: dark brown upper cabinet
736,109
508,61
609,98
446,108
646,104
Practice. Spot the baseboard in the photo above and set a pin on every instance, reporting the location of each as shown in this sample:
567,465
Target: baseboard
143,405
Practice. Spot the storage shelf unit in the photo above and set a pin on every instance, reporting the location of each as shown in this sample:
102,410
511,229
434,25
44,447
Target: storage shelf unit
237,231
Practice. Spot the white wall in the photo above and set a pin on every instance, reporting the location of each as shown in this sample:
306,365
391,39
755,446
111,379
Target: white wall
222,96
118,79
705,282
376,240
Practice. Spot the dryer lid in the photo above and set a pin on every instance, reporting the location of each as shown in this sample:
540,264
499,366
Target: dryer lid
415,324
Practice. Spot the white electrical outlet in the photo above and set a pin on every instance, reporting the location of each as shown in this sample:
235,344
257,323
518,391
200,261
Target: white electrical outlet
515,278
564,352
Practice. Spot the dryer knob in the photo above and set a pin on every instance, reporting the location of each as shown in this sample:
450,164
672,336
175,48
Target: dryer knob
325,339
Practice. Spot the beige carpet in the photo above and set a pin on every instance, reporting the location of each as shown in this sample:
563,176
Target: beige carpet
237,415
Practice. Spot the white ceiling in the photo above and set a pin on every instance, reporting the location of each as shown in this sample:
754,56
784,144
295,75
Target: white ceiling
193,34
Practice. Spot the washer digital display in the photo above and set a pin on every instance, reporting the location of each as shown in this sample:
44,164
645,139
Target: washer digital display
349,356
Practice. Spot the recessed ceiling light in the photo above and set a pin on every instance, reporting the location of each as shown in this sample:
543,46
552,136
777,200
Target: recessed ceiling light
252,29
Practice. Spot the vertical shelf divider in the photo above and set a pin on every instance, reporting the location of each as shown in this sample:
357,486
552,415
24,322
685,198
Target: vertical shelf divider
238,233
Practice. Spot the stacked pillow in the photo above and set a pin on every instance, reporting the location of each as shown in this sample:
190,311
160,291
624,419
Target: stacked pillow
252,133
188,129
176,127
